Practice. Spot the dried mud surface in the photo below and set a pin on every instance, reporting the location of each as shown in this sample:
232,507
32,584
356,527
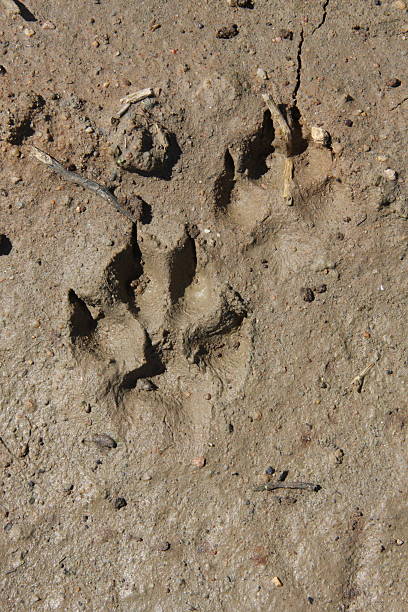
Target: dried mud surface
154,373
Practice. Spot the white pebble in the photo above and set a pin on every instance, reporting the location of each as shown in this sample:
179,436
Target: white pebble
390,174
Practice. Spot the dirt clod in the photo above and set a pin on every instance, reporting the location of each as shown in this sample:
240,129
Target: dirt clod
228,31
307,294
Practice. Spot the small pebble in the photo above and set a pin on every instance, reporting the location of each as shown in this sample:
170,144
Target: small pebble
16,179
48,25
261,74
321,288
198,462
307,294
390,174
348,123
2,70
393,83
144,384
89,130
270,470
320,136
19,205
277,581
389,372
29,32
286,34
120,502
399,542
104,441
164,546
400,5
228,31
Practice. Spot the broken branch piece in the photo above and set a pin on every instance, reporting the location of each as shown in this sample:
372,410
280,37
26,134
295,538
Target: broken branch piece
73,177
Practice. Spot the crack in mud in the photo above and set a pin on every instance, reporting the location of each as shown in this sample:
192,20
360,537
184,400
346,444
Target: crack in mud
298,69
324,15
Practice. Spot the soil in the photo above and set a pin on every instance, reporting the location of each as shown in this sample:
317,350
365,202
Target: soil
156,374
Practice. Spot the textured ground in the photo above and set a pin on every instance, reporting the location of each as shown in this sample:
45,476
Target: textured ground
191,337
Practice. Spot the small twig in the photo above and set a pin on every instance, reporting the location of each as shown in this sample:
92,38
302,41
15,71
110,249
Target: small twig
358,380
137,96
271,486
287,139
127,101
101,191
280,119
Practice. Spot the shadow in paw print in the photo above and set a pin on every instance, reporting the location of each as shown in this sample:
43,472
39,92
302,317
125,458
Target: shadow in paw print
81,323
225,183
5,245
153,367
123,269
258,148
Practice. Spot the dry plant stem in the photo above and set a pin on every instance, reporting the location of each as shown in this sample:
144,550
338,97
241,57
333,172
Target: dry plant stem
271,486
287,138
359,379
137,96
10,7
73,177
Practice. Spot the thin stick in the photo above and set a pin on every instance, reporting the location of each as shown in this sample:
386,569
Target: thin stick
280,119
137,96
101,191
271,486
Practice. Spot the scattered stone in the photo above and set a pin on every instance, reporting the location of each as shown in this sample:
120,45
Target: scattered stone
389,372
399,542
261,74
307,294
320,136
337,148
240,3
390,174
393,83
400,5
19,205
198,462
146,478
2,70
29,32
120,502
286,34
321,288
277,581
164,546
339,455
104,441
16,179
348,123
48,25
270,470
144,384
228,31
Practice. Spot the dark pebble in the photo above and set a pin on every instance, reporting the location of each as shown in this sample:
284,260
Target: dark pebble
164,546
310,600
283,475
393,83
348,123
120,502
287,34
321,288
228,31
2,70
307,294
389,372
270,470
340,236
104,441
